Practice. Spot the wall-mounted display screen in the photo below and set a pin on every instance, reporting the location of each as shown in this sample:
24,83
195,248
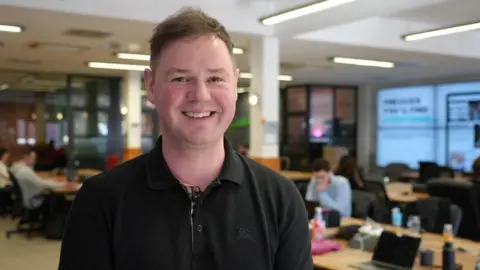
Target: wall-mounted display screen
463,130
412,124
405,120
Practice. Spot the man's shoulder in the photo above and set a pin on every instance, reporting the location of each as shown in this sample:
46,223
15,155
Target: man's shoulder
119,175
266,176
341,180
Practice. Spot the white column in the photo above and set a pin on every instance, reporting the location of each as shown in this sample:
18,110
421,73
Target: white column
366,126
132,101
264,117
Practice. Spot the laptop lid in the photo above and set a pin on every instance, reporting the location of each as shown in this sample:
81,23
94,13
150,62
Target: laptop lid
399,251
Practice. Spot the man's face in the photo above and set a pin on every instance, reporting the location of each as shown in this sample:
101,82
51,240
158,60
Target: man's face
5,157
194,89
322,177
31,159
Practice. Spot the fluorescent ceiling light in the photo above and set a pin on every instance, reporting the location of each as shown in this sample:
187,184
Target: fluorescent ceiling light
10,28
237,51
119,66
286,78
134,56
442,32
146,57
363,62
302,11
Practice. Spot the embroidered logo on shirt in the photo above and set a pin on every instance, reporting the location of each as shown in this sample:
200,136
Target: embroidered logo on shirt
245,234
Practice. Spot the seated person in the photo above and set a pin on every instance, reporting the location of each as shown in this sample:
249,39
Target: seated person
348,168
4,175
30,183
331,191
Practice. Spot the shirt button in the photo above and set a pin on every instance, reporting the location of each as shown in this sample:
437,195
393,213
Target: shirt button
199,228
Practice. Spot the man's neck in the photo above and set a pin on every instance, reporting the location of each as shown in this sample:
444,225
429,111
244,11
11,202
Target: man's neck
194,166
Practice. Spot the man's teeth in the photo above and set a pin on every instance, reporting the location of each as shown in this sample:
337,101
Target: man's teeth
198,115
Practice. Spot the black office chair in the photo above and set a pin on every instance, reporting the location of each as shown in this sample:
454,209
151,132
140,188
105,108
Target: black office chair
31,219
302,186
5,201
462,194
434,213
377,187
445,171
427,171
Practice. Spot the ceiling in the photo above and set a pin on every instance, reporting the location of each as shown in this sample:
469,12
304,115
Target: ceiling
368,29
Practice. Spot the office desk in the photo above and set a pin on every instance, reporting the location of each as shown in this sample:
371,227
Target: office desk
88,172
402,193
296,175
347,256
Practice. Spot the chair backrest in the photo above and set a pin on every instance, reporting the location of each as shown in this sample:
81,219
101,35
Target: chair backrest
310,206
464,196
427,171
395,170
17,196
445,171
365,204
434,213
377,187
302,186
456,216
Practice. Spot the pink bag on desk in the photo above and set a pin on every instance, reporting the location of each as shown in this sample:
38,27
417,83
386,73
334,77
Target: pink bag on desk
324,246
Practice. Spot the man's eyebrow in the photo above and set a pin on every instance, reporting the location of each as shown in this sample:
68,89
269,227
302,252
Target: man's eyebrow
217,70
177,70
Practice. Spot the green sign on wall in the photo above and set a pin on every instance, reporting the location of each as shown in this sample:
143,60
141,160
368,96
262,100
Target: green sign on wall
240,122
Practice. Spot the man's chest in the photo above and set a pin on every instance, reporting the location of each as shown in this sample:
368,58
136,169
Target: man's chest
215,233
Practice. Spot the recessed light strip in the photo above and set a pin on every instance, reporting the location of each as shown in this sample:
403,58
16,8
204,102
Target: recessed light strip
302,11
119,66
363,62
442,32
10,28
146,57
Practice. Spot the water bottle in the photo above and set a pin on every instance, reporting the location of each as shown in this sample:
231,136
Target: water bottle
448,258
396,218
318,225
386,180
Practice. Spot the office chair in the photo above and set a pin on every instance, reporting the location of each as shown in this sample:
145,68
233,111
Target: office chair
30,220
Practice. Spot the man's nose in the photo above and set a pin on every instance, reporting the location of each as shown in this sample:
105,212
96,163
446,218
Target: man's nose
200,92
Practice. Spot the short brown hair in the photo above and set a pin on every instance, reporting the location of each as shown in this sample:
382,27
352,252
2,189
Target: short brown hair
188,22
320,164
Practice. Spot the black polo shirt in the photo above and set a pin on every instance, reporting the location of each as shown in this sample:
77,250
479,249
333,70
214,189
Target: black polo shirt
138,216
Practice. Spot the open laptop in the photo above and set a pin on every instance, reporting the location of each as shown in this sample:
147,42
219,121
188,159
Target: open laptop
392,252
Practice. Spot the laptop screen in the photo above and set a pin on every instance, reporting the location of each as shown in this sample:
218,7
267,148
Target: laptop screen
400,251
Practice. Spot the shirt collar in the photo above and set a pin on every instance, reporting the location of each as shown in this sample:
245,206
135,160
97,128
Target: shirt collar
159,175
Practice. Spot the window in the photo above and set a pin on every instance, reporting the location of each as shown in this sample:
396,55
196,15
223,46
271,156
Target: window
321,114
296,100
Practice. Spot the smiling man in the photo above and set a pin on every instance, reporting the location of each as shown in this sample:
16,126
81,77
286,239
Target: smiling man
192,202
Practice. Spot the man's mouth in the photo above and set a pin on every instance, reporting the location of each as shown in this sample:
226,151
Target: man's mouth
198,115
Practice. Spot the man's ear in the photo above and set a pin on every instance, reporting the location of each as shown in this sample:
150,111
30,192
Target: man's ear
149,79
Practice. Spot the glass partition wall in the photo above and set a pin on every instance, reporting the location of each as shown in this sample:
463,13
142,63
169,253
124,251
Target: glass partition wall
94,120
314,117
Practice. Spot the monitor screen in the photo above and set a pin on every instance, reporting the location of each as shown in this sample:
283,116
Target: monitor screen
463,132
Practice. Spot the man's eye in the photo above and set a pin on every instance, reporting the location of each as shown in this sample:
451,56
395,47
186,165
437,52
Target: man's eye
215,79
179,79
